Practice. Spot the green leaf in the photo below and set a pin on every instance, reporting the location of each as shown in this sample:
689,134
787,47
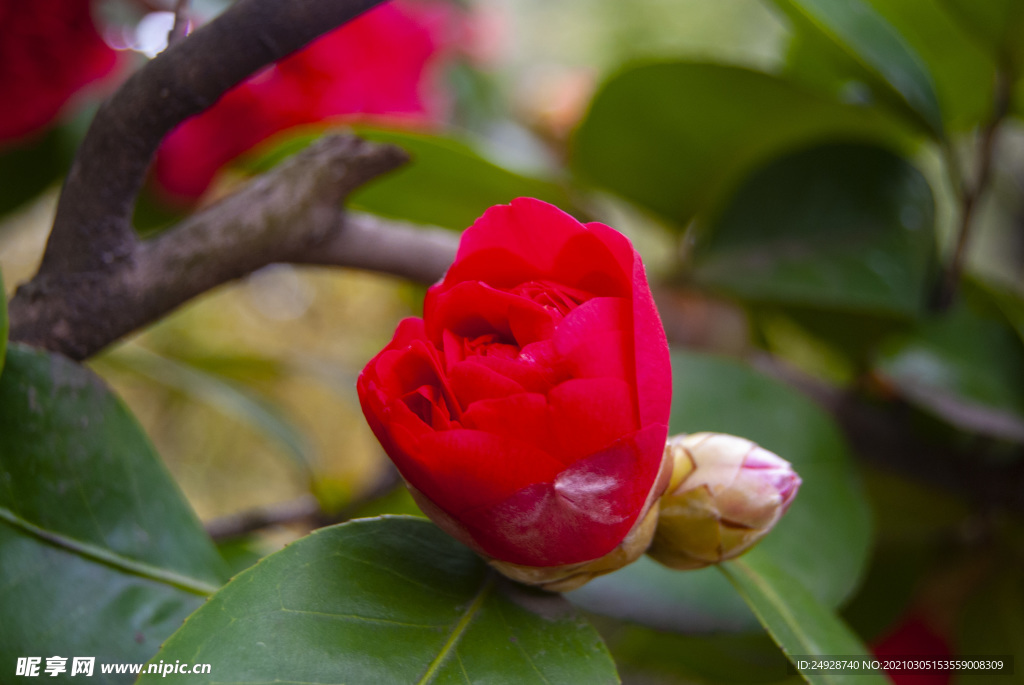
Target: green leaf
964,366
964,72
839,226
446,183
796,620
390,600
227,396
674,137
100,555
872,42
822,541
4,323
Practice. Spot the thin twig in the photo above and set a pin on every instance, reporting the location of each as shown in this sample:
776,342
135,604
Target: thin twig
300,510
305,509
971,194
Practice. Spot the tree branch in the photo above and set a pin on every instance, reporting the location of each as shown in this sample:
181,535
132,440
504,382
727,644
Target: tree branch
92,229
369,242
292,213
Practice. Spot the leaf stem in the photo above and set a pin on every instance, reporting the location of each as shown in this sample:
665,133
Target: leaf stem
104,556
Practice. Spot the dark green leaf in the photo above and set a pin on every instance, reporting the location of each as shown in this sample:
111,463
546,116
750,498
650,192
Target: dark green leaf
822,541
964,366
964,73
390,600
872,42
796,620
841,226
674,137
100,555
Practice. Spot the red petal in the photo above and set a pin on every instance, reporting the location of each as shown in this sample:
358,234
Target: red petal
530,240
580,517
464,469
473,309
595,342
472,382
589,414
651,354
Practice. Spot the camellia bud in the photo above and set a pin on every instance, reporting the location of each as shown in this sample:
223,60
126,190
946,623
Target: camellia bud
726,493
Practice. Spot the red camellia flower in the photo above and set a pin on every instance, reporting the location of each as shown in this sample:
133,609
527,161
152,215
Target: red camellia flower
49,50
528,409
381,66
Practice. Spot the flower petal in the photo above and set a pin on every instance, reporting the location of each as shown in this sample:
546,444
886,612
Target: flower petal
581,516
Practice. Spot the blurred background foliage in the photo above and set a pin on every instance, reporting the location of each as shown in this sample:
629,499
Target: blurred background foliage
795,174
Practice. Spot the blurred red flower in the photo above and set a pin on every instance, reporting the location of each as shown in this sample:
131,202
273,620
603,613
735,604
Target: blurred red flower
528,409
913,637
49,50
380,66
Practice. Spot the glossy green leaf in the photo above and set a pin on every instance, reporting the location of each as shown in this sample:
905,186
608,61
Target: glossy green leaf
223,394
822,541
674,137
871,41
100,555
796,620
964,366
390,600
840,226
446,182
3,322
964,73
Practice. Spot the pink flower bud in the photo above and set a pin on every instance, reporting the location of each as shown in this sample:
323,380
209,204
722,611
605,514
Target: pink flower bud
726,493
